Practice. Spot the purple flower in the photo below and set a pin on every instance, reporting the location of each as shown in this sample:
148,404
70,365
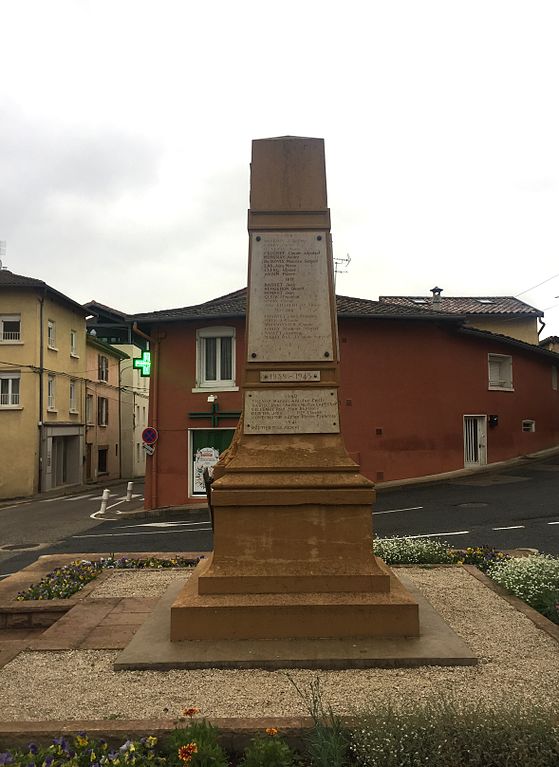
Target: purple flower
6,758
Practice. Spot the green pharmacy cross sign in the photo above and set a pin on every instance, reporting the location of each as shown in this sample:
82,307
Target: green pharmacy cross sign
143,364
214,415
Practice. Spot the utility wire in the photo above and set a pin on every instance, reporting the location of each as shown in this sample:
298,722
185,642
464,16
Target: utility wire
536,286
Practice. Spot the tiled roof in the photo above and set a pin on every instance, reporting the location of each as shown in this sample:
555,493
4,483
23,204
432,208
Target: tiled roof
234,305
549,340
93,305
10,280
510,342
465,305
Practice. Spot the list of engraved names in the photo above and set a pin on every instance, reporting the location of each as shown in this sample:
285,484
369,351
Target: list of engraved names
290,308
291,411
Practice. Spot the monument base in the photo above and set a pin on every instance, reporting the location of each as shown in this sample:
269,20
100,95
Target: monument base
151,648
293,615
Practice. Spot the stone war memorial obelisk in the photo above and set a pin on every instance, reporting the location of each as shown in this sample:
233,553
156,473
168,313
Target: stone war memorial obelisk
292,580
292,515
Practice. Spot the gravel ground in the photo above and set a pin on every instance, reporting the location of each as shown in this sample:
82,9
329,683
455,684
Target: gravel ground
138,583
518,662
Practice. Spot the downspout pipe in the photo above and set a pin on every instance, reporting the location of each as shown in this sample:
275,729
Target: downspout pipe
153,409
41,387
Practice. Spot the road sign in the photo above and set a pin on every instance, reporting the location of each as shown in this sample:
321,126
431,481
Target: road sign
150,435
150,449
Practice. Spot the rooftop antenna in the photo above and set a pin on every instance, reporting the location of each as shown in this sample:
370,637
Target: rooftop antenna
2,252
341,265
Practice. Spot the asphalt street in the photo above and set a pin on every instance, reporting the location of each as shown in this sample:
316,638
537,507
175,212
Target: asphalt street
516,508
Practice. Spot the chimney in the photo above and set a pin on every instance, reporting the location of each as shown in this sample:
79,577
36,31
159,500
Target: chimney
436,300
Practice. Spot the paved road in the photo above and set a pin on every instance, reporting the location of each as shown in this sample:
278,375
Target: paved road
31,528
508,509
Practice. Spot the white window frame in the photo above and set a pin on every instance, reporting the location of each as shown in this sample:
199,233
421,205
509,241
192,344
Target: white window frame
504,380
102,411
528,425
51,335
221,384
11,398
51,394
72,395
89,404
15,336
102,368
74,344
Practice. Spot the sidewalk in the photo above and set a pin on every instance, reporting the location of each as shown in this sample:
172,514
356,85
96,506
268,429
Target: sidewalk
66,490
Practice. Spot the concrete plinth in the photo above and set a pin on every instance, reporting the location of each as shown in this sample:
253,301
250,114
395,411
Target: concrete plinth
151,648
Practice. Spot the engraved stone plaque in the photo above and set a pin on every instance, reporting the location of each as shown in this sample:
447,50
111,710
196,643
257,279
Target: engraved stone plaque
289,316
290,376
291,411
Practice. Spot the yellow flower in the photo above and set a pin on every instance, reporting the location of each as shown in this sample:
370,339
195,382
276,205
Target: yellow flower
271,731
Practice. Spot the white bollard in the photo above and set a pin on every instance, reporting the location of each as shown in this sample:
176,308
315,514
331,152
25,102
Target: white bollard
129,487
104,501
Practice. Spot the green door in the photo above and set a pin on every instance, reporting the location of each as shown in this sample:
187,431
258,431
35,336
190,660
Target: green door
206,445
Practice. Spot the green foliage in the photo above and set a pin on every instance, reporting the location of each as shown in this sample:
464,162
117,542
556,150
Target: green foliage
62,582
443,734
204,737
413,551
328,742
534,579
268,750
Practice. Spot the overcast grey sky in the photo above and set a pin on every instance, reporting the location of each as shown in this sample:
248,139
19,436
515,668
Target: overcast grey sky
126,129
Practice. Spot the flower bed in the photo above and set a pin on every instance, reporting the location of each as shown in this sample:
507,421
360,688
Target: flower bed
434,735
64,581
534,579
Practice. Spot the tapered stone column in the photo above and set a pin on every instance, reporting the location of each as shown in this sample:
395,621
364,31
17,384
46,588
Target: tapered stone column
292,514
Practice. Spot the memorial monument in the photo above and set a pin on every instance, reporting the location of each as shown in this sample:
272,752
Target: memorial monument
292,554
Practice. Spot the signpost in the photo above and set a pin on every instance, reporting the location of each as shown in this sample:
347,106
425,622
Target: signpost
150,435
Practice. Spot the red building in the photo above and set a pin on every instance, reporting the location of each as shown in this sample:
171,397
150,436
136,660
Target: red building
423,390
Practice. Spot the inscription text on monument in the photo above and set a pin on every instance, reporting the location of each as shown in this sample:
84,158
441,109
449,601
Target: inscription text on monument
289,315
291,411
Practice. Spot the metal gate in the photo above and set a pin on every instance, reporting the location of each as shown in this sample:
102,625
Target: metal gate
475,445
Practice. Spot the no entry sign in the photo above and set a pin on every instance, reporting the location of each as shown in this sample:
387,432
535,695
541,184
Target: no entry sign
150,435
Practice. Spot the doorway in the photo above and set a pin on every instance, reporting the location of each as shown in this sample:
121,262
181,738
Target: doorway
475,441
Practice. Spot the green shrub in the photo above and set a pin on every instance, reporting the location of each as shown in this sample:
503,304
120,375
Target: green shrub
195,746
268,750
534,579
412,551
444,734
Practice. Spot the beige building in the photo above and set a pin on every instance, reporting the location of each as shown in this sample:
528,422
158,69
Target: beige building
42,387
103,455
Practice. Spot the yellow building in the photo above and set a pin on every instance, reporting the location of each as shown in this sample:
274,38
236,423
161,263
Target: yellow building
103,454
42,387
